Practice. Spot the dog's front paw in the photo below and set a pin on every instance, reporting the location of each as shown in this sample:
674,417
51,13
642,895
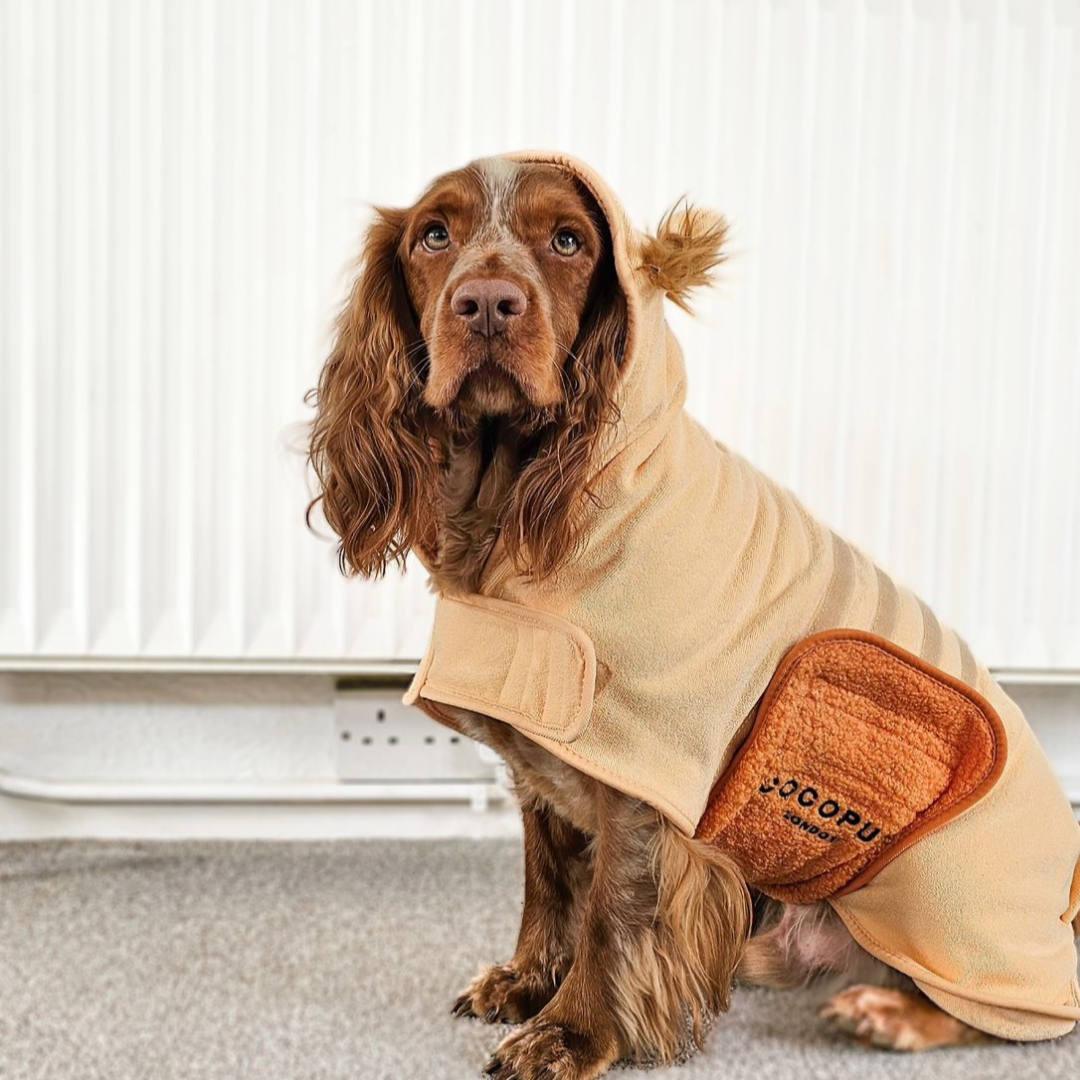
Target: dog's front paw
548,1050
503,994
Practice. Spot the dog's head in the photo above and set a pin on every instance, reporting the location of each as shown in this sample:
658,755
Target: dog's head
493,299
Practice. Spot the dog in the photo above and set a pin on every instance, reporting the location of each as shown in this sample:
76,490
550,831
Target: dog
474,400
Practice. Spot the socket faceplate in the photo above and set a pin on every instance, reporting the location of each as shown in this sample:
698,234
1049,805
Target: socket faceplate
379,739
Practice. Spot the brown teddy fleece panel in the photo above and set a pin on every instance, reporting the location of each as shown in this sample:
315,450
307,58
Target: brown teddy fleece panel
859,748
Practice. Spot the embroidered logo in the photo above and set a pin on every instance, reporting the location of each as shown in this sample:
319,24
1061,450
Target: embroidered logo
840,820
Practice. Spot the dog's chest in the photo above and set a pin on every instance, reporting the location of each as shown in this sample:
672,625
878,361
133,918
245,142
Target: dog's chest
539,774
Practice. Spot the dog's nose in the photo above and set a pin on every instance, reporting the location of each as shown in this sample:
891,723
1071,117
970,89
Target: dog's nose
488,304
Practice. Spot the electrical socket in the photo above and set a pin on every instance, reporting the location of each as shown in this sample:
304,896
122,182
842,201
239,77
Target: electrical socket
379,739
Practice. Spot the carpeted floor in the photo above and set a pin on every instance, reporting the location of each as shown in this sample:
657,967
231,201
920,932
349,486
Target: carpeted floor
317,961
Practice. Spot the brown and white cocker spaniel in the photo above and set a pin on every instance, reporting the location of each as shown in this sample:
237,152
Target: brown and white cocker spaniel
474,371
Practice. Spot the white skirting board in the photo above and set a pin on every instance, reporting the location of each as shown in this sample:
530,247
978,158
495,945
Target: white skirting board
258,731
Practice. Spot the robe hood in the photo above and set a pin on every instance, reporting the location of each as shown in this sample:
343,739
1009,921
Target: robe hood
705,600
652,389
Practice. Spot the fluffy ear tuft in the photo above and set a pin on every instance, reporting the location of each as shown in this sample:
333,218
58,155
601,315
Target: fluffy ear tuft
687,247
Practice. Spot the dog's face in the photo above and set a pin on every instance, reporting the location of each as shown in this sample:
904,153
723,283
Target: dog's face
488,312
499,260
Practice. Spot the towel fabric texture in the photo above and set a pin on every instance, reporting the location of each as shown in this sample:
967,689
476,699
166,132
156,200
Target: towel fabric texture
645,663
858,749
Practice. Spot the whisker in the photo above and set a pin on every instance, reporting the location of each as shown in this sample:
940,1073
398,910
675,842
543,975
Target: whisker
569,352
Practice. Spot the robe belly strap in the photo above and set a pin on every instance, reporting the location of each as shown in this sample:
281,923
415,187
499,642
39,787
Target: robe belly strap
858,750
533,670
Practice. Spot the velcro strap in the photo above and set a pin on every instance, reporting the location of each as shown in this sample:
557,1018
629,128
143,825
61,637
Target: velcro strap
532,670
858,750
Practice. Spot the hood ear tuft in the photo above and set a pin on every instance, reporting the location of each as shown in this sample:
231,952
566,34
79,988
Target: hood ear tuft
687,247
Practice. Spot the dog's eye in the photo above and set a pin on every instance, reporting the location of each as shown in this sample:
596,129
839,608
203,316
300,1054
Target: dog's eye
565,242
436,238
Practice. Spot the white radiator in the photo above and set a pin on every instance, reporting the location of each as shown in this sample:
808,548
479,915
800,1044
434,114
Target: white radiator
182,185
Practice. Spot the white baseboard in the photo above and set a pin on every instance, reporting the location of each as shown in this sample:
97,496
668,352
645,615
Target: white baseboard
42,821
172,728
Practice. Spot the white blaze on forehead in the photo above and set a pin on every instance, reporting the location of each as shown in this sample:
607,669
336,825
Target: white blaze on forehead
499,176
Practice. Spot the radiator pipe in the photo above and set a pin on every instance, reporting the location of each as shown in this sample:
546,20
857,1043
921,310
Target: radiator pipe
112,792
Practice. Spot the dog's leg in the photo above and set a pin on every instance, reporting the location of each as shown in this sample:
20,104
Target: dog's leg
767,962
807,942
664,922
555,870
897,1020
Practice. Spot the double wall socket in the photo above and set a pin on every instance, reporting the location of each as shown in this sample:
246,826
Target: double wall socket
380,740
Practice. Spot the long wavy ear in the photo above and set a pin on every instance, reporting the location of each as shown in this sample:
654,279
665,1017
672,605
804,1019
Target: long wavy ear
369,440
544,522
687,247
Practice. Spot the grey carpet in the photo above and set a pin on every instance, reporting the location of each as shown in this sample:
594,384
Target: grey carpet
257,961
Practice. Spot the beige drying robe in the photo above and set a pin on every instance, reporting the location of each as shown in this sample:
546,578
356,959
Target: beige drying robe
722,655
